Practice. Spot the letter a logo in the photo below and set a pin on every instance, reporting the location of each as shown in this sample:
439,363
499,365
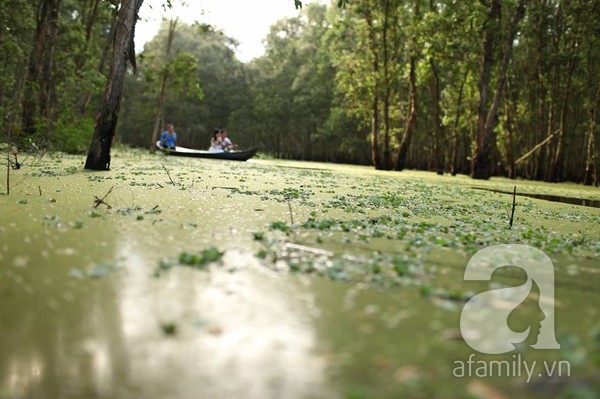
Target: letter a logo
484,326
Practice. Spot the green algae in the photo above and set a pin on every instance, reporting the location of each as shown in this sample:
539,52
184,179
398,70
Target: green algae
355,289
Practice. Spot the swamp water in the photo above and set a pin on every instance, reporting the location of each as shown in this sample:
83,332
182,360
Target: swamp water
196,283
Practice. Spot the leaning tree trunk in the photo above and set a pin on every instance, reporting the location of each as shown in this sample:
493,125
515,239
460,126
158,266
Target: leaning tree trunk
482,157
123,50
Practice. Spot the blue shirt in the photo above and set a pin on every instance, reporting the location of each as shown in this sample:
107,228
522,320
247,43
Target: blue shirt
167,140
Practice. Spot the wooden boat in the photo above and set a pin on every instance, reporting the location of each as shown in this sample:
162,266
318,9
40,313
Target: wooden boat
236,155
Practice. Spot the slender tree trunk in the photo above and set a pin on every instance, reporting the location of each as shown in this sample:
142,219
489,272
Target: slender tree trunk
387,157
537,169
510,110
590,171
89,18
411,122
439,155
455,167
160,109
38,84
375,158
481,168
123,51
482,145
85,98
554,173
554,89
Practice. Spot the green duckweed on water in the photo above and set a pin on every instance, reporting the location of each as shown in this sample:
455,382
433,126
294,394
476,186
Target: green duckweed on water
276,279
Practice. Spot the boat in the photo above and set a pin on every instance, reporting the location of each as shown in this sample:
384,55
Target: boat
235,155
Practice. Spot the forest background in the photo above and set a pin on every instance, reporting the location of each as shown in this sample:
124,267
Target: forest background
483,88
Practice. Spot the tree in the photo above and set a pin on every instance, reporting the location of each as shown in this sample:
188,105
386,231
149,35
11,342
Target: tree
123,51
488,118
39,82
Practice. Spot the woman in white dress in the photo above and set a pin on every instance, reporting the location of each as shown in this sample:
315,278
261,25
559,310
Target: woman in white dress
216,143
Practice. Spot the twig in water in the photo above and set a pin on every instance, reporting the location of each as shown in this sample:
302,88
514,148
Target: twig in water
8,175
99,201
514,205
168,174
289,201
304,248
39,188
223,188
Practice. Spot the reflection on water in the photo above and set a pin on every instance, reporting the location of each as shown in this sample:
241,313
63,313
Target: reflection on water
239,334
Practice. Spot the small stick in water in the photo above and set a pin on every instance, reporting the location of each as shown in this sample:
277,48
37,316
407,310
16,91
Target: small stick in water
514,205
40,189
168,174
289,201
8,175
99,201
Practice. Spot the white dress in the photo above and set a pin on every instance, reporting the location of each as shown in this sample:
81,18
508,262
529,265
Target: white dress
215,147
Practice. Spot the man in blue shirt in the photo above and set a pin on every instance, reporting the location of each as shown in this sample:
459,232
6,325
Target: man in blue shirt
168,138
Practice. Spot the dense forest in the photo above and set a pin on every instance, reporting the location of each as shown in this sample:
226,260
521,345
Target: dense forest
483,88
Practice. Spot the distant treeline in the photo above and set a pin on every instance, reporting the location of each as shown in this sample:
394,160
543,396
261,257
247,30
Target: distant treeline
477,87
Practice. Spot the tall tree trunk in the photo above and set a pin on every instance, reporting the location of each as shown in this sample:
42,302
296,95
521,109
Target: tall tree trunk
510,110
551,127
38,84
375,158
481,168
554,173
482,144
89,19
537,168
455,168
123,51
160,109
411,122
590,172
387,157
439,155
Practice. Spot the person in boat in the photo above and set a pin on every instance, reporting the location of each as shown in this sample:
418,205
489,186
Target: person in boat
168,139
226,142
216,142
